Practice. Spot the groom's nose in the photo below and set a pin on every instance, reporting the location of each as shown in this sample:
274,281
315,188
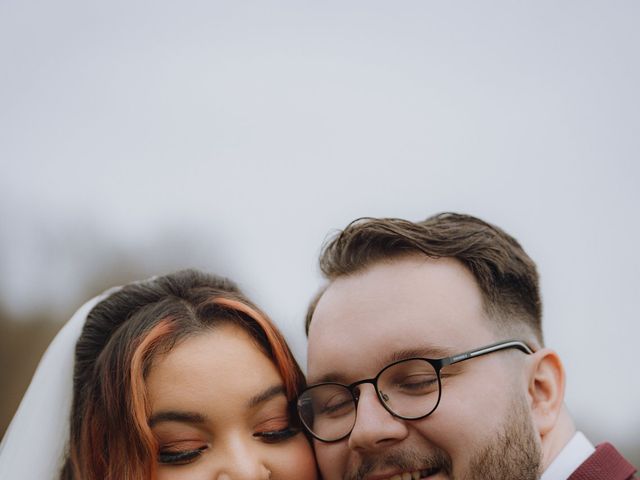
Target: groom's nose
375,428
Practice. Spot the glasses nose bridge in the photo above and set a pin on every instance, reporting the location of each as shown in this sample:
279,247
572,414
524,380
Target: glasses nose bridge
355,392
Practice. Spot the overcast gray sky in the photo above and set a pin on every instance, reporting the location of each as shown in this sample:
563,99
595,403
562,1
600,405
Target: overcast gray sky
234,136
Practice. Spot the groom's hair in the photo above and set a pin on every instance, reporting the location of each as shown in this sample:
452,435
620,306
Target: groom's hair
507,277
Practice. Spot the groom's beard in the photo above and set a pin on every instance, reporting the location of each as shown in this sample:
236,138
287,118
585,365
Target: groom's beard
513,454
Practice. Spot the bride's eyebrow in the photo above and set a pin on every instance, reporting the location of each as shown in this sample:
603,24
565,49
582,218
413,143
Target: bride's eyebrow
176,416
265,395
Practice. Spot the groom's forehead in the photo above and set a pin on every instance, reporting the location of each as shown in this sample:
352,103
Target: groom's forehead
428,297
363,323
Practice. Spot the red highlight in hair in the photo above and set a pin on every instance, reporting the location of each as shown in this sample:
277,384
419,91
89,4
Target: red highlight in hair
140,407
282,355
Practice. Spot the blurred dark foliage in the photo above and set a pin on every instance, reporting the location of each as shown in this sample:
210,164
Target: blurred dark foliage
97,263
22,343
24,339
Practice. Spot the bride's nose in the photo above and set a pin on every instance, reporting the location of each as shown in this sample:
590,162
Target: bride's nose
241,460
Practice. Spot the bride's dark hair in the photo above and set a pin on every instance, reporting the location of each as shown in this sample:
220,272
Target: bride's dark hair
110,437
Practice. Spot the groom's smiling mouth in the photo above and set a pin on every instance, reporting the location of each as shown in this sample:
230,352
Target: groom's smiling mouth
407,475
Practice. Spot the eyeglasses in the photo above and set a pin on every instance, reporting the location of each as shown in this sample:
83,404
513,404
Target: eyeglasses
409,389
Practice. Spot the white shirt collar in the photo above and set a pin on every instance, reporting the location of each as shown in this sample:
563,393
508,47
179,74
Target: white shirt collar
574,453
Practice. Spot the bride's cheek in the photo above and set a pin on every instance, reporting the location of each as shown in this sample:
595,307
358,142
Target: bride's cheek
296,460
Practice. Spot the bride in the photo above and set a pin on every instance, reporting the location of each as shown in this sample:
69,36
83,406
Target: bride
179,376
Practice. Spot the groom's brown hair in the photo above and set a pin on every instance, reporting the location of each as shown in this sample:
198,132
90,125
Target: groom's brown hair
506,275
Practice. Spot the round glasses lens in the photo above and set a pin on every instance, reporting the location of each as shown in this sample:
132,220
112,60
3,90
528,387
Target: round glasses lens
328,411
410,389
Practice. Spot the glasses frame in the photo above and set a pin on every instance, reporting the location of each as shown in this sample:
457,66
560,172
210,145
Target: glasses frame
437,364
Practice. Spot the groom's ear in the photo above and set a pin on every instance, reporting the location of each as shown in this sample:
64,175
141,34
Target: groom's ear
545,389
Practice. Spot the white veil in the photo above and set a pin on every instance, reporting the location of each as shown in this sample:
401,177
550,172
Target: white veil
35,442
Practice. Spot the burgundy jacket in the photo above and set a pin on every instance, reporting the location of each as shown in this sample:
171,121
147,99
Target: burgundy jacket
604,464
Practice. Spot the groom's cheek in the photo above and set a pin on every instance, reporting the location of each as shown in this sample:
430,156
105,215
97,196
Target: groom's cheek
332,459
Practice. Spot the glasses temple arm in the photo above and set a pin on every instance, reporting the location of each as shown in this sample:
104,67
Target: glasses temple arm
494,347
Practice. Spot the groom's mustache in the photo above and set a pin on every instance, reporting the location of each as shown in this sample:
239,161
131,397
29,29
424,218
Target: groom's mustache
401,461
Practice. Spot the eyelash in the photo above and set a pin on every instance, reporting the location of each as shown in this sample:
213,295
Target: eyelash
276,436
187,456
180,457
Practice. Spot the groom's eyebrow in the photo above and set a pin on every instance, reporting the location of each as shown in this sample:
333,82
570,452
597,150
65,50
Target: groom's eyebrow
430,352
176,416
329,378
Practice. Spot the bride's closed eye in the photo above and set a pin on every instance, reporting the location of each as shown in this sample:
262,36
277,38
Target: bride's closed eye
180,457
275,436
276,430
180,451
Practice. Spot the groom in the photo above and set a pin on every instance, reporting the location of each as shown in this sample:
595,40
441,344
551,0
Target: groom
426,360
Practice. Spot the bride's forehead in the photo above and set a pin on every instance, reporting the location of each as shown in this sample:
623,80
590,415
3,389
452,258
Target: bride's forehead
226,344
227,354
212,372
